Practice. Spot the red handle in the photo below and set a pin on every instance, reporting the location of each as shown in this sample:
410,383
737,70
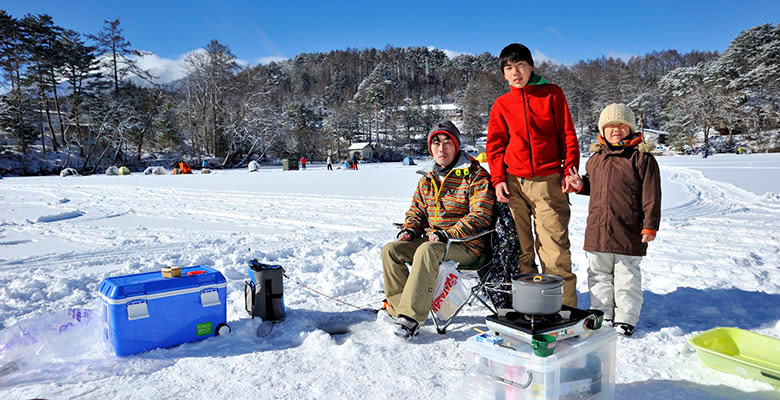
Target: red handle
196,272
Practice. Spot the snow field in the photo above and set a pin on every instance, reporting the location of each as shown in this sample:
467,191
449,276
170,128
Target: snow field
716,262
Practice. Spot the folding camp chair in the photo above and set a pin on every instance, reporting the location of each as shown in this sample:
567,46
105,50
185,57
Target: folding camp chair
479,269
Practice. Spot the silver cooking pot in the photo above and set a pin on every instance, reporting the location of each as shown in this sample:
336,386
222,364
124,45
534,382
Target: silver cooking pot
537,294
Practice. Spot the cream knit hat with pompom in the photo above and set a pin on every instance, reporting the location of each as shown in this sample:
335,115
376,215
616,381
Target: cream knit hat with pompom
616,113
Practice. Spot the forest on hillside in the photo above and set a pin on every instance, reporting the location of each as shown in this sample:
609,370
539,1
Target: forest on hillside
80,100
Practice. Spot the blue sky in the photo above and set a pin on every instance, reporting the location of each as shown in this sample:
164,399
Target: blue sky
562,31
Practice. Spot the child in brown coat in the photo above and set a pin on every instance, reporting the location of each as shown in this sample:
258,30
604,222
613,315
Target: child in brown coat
624,184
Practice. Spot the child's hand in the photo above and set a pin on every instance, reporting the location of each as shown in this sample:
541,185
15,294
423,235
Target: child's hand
647,238
573,182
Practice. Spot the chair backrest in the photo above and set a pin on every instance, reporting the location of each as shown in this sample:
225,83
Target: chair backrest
492,239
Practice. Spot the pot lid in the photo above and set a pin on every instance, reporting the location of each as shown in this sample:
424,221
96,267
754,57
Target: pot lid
539,279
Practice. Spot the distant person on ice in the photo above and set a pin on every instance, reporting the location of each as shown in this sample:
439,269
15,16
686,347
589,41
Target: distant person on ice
303,162
624,212
531,147
454,199
330,166
354,163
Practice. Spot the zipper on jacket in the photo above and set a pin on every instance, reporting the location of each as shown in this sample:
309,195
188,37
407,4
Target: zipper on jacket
528,132
436,197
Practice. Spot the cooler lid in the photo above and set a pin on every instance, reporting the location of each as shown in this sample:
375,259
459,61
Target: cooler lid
121,287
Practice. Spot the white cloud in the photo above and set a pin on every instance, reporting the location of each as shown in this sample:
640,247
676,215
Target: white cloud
270,59
554,31
168,70
540,57
164,69
450,53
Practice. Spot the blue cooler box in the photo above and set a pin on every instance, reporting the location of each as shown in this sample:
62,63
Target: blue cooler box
146,311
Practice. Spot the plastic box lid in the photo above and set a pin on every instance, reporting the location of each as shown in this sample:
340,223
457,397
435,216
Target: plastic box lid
122,287
521,354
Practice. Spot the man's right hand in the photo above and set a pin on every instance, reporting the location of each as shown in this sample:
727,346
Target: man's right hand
405,236
502,192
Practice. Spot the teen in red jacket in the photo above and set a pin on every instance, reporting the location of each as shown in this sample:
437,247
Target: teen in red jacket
531,146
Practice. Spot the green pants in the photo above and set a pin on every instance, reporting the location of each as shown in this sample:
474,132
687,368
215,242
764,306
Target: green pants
410,293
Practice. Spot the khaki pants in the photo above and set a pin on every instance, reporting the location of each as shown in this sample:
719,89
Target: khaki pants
410,293
615,286
541,197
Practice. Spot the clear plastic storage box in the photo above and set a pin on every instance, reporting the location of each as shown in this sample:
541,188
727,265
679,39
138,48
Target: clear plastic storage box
580,368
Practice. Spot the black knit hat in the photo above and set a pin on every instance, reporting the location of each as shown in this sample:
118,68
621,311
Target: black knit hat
515,52
447,128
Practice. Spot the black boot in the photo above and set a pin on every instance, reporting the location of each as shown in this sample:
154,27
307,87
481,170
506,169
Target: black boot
406,328
624,329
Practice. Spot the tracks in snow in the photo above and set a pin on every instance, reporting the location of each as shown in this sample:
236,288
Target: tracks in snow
716,199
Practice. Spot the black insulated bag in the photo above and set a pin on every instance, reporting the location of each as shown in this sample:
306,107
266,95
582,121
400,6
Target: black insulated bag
263,295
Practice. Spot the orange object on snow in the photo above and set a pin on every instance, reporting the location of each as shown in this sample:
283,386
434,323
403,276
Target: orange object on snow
184,168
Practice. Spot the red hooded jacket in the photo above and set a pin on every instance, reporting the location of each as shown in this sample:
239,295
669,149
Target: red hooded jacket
530,133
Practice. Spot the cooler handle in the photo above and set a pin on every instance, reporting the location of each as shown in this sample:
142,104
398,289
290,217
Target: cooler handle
137,310
209,297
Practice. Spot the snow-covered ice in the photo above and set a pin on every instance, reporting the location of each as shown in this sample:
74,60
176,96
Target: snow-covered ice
716,262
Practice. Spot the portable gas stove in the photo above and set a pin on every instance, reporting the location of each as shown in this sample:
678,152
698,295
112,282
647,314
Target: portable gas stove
567,323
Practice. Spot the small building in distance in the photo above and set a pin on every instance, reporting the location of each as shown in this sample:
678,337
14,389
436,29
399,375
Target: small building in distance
364,149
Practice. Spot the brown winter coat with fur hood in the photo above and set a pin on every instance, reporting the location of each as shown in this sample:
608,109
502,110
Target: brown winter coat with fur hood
624,184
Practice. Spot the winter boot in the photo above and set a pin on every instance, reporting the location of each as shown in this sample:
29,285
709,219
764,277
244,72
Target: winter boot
624,329
406,328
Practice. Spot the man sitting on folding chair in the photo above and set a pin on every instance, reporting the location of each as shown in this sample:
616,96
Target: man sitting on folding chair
453,200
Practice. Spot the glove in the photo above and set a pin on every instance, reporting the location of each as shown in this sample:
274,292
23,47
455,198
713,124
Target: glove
401,232
441,236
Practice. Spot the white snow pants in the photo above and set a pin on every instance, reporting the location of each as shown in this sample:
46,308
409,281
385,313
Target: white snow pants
615,286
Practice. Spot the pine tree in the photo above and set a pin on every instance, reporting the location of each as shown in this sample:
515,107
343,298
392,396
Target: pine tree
117,52
11,51
39,38
79,67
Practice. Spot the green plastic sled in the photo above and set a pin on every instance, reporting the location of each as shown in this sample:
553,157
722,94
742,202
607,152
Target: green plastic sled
740,352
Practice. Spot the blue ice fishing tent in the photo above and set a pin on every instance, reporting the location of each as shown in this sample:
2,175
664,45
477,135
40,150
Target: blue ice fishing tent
408,161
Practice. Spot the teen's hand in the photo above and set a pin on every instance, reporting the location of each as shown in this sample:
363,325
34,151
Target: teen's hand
502,192
405,236
647,238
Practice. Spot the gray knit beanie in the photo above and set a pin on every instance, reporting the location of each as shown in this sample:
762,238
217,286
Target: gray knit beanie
447,128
